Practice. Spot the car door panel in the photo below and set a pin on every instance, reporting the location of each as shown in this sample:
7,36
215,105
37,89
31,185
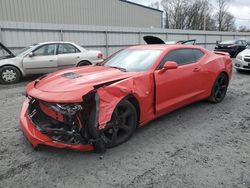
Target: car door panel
68,55
178,87
40,65
68,60
43,60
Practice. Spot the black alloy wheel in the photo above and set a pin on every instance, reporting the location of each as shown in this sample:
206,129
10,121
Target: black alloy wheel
122,125
219,89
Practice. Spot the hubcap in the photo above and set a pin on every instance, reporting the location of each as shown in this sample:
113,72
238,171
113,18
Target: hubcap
221,87
9,75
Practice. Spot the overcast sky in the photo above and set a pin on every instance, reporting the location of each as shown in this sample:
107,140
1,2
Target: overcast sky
239,8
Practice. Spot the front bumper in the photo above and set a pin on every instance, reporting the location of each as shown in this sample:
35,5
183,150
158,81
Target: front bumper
241,65
36,138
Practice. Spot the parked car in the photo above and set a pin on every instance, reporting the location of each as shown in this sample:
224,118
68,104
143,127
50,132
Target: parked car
233,47
98,107
44,58
243,60
157,40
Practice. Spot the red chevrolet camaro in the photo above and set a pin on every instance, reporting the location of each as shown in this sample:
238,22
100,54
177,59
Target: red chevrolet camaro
100,106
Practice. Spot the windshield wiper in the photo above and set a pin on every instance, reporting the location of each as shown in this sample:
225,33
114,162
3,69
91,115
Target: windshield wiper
120,68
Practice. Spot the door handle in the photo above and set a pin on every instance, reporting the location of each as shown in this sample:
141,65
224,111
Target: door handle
197,69
51,60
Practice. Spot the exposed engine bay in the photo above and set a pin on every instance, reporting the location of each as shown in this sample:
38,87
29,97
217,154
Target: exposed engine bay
66,123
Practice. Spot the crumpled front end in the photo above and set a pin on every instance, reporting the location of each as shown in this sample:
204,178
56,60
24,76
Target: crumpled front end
77,119
54,125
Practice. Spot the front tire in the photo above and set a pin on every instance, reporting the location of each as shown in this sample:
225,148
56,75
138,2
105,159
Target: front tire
9,75
122,125
219,89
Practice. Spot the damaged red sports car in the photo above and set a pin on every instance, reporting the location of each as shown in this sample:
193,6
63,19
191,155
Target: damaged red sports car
100,106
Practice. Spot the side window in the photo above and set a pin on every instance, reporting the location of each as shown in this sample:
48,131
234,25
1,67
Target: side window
45,50
181,57
238,42
67,49
198,54
244,42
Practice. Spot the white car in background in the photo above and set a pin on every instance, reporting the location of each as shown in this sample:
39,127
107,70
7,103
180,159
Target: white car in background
43,58
242,61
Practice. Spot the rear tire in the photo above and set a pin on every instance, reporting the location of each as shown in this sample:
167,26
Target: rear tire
83,63
219,89
9,75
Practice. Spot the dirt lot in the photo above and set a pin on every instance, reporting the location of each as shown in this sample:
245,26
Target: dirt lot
202,145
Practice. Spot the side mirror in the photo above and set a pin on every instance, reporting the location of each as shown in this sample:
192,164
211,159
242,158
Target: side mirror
169,65
31,54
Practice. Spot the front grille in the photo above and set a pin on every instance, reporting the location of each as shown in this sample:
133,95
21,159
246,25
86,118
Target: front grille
246,60
246,67
53,128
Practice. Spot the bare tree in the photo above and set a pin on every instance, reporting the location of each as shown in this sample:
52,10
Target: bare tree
225,20
188,14
243,29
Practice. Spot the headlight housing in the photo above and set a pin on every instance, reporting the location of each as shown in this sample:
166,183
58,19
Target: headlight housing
239,57
65,109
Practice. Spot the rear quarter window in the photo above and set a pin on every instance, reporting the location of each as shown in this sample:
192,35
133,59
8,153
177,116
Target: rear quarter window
184,56
198,54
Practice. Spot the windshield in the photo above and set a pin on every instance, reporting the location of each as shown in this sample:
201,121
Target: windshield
26,50
228,42
133,60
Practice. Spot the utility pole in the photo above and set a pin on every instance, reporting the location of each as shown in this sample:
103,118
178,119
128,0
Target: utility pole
205,21
205,16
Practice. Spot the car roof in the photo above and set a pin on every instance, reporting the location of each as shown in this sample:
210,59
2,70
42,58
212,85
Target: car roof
164,46
52,42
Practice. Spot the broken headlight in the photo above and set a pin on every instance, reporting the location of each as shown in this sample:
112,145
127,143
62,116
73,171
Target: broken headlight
65,109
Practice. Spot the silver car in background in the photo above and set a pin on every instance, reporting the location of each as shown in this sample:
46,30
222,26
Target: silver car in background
242,61
44,58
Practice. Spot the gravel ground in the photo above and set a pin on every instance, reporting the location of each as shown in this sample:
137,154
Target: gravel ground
202,145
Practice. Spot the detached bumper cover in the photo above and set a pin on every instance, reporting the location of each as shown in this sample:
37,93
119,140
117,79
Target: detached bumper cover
36,138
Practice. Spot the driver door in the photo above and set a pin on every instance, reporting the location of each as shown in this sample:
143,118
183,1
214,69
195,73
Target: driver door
178,87
42,60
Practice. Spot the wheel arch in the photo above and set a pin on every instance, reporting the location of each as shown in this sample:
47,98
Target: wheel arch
224,72
133,100
10,65
84,60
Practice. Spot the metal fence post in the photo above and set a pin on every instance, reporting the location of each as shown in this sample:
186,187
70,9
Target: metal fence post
1,36
61,35
106,43
139,37
166,36
205,40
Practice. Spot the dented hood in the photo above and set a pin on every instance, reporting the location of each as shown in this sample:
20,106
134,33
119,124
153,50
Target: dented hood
82,78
